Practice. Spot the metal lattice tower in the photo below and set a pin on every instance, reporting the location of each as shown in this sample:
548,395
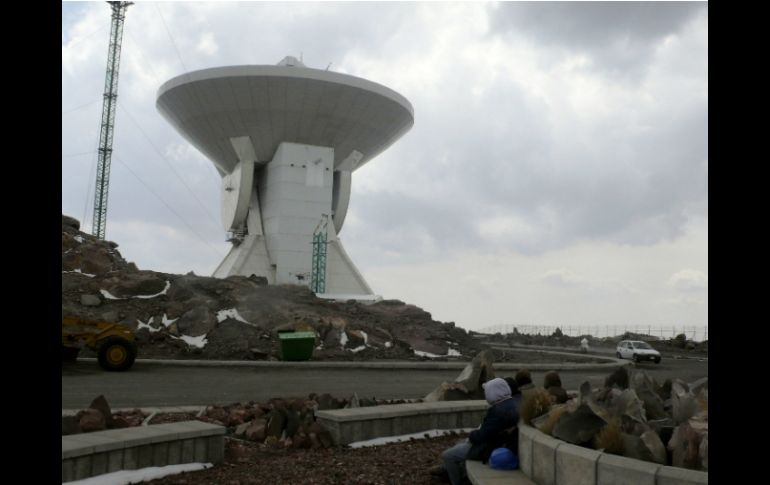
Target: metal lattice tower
109,106
318,268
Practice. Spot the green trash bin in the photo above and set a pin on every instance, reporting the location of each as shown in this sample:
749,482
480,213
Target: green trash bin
296,345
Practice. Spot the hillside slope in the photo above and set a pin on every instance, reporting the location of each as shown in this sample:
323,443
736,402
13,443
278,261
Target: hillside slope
190,316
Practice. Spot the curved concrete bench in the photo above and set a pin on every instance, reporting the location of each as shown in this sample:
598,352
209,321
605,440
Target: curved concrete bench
365,423
549,461
481,474
88,454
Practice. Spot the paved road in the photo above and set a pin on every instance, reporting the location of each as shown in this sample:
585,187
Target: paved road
167,385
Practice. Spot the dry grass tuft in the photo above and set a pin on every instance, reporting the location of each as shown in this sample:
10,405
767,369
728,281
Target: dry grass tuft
610,438
556,413
535,403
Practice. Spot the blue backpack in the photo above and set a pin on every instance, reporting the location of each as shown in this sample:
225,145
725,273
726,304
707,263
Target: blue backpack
503,459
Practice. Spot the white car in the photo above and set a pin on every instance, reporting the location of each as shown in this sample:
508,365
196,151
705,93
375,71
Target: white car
637,350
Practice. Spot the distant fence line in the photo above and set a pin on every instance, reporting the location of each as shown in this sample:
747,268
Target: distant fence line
695,333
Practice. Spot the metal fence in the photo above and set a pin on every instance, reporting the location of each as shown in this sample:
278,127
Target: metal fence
695,333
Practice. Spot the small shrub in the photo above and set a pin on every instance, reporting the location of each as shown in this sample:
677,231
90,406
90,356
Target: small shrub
535,403
610,438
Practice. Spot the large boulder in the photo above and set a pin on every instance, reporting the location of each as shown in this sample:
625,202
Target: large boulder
197,321
684,405
140,284
256,430
578,427
101,405
619,378
91,420
685,447
664,428
467,385
629,404
653,404
655,446
703,451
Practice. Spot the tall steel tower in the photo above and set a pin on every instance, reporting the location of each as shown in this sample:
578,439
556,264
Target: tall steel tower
99,225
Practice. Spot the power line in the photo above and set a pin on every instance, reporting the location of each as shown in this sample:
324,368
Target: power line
169,208
79,107
70,155
176,49
168,163
76,41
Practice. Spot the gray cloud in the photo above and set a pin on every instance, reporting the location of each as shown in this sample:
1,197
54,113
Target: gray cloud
620,37
517,147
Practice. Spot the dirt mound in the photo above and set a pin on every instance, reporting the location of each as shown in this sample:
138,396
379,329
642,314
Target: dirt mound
189,316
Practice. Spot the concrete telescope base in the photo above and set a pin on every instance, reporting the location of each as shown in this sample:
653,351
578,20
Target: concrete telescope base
291,194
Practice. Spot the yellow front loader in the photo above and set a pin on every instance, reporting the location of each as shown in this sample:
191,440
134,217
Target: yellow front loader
114,344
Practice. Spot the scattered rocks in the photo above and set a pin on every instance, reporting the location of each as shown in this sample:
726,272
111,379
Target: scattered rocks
635,421
239,315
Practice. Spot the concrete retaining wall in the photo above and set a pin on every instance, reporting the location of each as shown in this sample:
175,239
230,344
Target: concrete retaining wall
549,461
360,424
89,454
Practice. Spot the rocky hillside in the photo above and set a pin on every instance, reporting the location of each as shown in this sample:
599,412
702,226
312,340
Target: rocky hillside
190,316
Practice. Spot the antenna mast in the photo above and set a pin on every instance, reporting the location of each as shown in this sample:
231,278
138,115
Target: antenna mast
99,224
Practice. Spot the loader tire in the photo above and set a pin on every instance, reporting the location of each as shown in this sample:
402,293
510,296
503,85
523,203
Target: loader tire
117,354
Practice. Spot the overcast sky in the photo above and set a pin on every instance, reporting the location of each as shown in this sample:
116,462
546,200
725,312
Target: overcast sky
556,173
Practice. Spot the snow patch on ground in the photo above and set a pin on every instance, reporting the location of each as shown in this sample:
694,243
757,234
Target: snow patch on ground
420,353
450,353
140,325
343,339
109,296
366,337
223,315
78,239
126,477
358,349
198,342
166,322
79,272
388,345
163,292
433,433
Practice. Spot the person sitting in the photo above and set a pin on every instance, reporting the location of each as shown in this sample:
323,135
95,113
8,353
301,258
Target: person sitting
524,380
552,383
502,415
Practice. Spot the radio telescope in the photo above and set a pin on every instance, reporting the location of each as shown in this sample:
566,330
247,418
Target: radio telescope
285,140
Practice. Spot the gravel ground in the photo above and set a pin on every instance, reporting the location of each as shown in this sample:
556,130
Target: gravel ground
248,463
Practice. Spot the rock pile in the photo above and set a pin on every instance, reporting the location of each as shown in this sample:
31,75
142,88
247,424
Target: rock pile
632,416
98,417
278,423
189,316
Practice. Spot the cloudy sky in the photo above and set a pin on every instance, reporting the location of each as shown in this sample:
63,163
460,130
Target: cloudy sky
556,173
